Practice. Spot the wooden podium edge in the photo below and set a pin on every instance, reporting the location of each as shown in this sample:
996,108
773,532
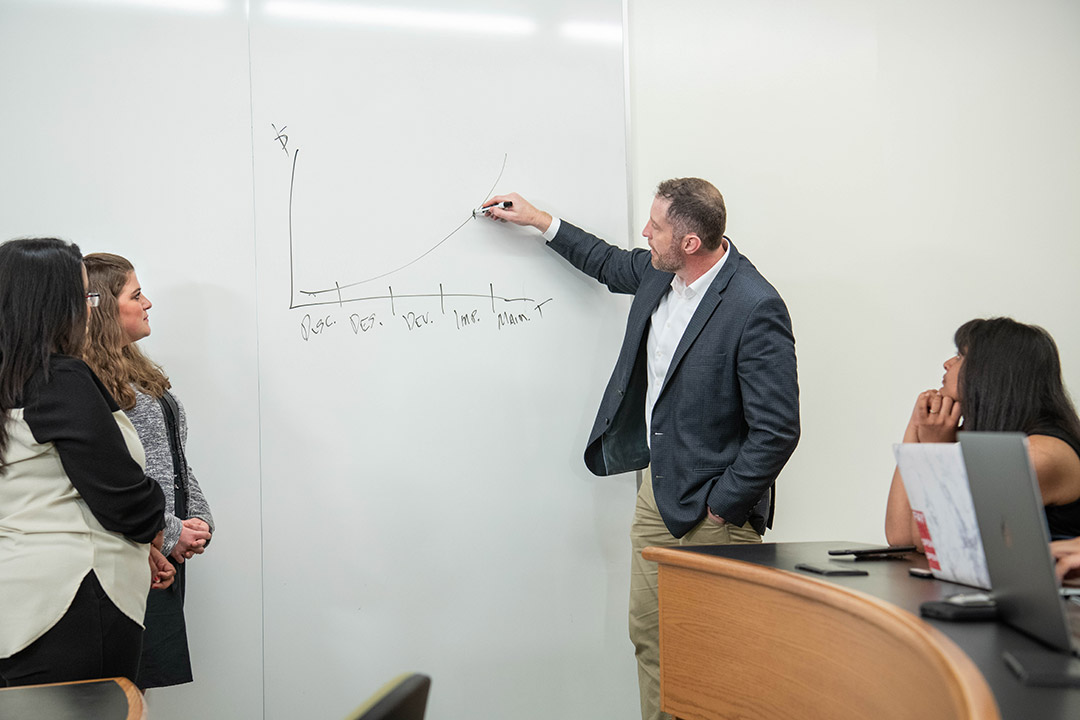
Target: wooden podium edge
136,706
949,658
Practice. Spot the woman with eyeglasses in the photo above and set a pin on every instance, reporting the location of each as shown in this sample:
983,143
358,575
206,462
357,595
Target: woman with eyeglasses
77,512
142,390
1005,377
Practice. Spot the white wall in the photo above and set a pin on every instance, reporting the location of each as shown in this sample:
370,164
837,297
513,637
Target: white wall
894,169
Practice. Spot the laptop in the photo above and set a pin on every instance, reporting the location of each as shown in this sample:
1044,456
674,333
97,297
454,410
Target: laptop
937,489
1015,538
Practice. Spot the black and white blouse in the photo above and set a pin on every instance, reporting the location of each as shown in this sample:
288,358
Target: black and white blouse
73,498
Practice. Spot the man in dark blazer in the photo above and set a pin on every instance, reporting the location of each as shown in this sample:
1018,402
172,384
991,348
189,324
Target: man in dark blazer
704,394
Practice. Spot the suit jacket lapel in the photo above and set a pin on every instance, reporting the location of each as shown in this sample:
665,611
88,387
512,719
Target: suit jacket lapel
705,309
647,300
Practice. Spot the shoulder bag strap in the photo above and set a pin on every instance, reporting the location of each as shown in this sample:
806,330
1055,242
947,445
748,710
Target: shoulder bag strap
171,412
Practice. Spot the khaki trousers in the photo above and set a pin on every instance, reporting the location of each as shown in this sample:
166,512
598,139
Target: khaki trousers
648,529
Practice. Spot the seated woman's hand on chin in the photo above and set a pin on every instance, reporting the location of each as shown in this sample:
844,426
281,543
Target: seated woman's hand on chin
935,418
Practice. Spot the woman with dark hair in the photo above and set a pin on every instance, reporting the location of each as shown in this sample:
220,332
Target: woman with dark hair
77,512
142,390
1006,377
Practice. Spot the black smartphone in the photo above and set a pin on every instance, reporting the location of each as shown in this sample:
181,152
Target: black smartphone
956,612
920,572
829,570
864,552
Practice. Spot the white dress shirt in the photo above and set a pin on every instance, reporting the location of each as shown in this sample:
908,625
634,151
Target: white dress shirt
553,229
668,323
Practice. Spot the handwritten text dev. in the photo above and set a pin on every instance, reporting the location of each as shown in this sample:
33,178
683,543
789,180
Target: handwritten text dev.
314,325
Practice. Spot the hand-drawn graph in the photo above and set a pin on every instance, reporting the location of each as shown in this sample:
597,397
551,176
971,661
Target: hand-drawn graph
506,310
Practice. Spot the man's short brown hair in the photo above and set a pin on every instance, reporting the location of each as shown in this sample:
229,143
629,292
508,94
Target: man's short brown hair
696,207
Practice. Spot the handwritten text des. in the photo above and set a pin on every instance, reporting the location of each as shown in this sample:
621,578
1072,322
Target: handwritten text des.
320,324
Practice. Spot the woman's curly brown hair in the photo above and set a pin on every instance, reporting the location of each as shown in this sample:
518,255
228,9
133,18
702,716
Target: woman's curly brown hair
116,360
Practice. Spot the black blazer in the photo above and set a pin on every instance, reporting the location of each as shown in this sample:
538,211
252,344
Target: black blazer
727,417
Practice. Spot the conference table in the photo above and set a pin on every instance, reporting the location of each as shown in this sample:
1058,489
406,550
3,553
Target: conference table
106,699
743,634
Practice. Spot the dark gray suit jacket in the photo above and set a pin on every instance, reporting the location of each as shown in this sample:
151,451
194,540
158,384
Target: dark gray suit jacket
727,417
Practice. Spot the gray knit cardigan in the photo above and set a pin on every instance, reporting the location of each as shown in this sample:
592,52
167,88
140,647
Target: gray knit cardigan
149,422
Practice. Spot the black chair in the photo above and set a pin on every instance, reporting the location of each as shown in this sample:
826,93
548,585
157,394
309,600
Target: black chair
403,698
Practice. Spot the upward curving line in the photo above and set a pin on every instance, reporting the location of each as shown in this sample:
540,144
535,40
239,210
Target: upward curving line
496,183
339,288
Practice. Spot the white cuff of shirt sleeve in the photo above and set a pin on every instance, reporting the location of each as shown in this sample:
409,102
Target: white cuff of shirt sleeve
553,228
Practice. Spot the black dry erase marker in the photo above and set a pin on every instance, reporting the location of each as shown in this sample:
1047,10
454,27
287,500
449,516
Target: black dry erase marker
501,205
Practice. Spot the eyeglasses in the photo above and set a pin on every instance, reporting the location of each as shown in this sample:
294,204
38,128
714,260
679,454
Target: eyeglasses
92,299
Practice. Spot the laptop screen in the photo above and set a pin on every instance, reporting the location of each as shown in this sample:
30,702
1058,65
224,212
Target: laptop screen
1009,511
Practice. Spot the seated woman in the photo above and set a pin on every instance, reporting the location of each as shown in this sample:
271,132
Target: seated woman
1005,376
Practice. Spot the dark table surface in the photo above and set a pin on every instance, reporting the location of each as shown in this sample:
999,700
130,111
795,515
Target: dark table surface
984,642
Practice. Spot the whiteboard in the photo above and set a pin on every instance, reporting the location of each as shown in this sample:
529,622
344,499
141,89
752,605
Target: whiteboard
433,377
388,399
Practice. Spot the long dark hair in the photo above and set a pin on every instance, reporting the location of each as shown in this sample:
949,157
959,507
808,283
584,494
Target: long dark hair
1011,379
42,312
